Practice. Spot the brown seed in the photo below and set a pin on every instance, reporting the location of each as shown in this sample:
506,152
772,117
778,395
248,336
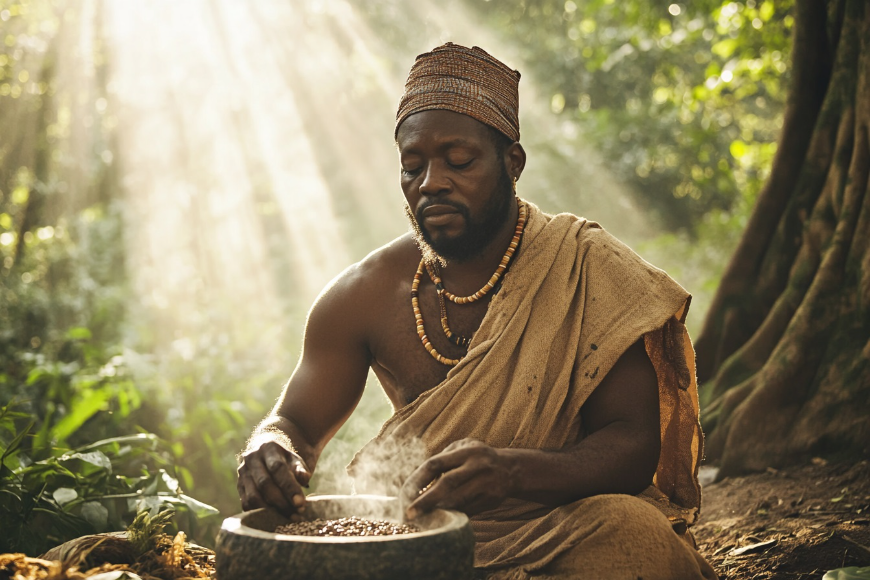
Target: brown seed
351,526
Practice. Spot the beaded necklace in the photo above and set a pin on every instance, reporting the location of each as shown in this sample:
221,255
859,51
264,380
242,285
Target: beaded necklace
454,338
439,286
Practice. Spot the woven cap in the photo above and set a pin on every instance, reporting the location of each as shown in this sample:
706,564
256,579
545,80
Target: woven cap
463,80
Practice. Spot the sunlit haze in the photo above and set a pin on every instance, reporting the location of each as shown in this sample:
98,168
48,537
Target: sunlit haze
257,154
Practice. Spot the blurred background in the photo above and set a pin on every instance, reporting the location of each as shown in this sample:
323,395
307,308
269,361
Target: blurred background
178,180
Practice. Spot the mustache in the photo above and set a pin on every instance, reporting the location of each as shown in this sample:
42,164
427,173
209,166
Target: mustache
418,213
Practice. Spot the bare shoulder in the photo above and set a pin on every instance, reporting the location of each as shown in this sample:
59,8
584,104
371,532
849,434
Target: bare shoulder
388,262
356,293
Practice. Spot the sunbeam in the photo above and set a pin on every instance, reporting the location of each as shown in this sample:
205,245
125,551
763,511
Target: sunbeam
257,154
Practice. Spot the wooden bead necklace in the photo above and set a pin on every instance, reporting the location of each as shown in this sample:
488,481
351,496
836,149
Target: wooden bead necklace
418,317
458,339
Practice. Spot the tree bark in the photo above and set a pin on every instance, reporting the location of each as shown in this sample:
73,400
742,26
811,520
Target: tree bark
738,304
784,354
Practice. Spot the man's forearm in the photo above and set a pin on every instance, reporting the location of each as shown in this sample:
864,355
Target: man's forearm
286,433
611,460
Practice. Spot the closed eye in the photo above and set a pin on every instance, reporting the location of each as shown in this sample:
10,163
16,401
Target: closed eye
460,165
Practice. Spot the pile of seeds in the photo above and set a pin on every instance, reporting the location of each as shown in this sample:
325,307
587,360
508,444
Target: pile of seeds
352,526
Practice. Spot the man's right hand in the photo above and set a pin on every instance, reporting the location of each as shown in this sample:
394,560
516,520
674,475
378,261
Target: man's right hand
272,476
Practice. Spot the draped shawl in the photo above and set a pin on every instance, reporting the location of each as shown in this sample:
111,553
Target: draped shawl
572,302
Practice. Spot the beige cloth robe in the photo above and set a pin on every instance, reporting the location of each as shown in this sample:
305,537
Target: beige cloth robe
572,302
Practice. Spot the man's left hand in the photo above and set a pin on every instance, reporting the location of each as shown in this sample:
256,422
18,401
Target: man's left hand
468,476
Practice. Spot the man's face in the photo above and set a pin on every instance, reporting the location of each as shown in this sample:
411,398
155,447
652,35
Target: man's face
456,185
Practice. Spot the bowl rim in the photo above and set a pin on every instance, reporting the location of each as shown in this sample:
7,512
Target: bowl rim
234,525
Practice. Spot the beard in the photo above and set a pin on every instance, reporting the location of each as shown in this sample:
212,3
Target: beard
476,236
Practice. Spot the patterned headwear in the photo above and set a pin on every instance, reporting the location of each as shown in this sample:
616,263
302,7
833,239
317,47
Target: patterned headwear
463,80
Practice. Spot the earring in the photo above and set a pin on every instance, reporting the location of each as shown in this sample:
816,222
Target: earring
515,185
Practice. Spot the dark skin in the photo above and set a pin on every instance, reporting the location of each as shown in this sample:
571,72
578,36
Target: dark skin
363,320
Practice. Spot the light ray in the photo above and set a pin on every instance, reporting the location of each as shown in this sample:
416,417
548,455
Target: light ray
258,154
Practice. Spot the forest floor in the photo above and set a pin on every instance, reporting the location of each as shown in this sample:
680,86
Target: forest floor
787,524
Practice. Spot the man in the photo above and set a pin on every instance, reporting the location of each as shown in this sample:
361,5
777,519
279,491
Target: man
542,363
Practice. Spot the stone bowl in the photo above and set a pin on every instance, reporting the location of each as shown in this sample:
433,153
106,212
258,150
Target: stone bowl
247,548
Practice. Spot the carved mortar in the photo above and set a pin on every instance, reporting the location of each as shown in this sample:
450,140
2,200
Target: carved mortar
248,548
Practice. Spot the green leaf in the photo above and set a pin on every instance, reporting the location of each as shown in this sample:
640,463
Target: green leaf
149,440
41,437
97,458
64,495
48,474
149,503
170,482
12,493
82,410
186,476
199,508
16,442
37,374
95,514
7,413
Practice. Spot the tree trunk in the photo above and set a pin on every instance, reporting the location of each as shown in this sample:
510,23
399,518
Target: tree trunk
784,354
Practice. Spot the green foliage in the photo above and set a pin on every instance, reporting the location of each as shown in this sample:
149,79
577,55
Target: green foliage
145,531
65,356
77,385
90,489
683,99
205,397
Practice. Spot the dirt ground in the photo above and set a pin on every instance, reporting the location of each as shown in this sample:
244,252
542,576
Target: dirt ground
788,524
